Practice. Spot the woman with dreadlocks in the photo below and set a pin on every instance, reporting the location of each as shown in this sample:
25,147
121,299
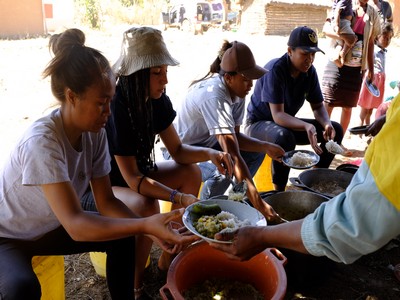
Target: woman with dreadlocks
140,111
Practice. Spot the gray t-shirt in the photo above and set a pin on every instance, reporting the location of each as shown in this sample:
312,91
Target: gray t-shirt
208,110
43,156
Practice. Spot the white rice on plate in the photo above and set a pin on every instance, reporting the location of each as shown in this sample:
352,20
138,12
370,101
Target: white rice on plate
301,159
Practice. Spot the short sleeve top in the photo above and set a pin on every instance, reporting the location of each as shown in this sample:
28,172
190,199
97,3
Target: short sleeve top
278,87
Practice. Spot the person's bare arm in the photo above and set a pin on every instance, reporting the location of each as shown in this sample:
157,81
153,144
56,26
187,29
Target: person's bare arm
121,223
229,143
251,240
187,154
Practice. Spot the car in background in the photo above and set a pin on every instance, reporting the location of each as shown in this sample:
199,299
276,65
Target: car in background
194,16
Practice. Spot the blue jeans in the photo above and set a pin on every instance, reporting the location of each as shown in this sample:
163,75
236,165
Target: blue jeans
288,139
215,183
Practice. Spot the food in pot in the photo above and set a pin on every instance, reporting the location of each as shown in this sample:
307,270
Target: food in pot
333,147
209,225
222,289
328,188
301,159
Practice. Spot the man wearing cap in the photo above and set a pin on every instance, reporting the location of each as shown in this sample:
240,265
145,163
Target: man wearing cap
280,94
211,115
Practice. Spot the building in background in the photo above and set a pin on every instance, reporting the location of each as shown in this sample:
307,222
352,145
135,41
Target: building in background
29,18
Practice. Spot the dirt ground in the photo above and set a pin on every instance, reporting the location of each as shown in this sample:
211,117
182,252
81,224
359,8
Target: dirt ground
25,96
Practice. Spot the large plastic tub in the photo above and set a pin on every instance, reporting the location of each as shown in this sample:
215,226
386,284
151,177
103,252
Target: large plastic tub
199,262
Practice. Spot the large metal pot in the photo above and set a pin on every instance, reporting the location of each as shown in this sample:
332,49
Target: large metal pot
302,270
327,182
293,205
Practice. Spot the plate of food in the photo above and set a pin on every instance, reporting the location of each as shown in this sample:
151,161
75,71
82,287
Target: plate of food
208,217
300,159
359,129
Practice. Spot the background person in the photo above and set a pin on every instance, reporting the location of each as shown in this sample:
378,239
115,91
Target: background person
342,15
141,110
356,222
279,95
211,116
49,170
367,101
384,10
341,86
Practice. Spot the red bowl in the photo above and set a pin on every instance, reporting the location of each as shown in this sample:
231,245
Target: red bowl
200,262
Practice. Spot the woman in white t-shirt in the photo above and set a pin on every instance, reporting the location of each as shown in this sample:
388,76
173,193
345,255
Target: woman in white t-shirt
49,170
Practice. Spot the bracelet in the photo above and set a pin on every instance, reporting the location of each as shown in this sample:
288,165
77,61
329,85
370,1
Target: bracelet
140,182
180,199
172,196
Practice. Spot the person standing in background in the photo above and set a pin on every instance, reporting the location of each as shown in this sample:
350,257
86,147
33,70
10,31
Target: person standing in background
367,101
341,86
384,10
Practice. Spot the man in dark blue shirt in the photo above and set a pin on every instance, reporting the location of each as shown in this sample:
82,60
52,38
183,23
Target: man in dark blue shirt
279,95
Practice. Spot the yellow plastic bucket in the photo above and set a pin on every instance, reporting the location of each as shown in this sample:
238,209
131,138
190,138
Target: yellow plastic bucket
98,260
263,177
50,272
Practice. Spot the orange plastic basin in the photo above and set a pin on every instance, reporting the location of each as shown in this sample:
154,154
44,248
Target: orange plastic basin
199,262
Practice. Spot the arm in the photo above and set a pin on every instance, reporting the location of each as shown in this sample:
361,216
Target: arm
370,57
248,143
250,240
148,186
285,120
87,226
229,144
321,115
376,126
187,154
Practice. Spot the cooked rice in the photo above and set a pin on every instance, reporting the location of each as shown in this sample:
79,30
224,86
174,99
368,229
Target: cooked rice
225,221
301,159
333,147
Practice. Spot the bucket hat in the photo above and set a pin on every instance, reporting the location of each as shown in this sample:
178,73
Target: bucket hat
240,59
305,38
142,48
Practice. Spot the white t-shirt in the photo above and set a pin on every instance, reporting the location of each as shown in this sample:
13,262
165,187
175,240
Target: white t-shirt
43,156
208,110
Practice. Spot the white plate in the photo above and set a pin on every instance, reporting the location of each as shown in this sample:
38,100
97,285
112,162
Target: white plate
288,155
240,210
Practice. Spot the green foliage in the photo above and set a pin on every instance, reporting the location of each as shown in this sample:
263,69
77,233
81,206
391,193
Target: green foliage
91,10
100,13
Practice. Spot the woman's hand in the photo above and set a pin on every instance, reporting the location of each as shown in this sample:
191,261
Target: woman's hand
246,243
313,138
167,232
223,161
188,199
329,133
274,151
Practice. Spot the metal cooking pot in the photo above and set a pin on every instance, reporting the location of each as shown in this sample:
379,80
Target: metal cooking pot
314,179
302,270
293,205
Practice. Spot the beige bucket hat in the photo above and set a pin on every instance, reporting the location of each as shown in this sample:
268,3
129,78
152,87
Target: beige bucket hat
142,48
